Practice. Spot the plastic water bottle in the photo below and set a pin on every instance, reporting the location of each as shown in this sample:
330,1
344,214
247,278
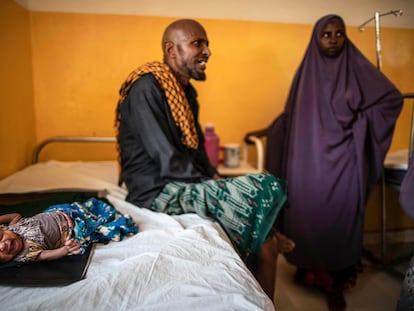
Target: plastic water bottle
211,143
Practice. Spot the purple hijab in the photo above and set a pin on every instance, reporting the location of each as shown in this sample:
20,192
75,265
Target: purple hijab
329,144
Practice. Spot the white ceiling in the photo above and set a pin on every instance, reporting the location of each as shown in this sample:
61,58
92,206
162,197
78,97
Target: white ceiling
354,12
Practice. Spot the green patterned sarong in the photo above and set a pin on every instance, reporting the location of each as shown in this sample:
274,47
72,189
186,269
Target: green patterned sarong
246,206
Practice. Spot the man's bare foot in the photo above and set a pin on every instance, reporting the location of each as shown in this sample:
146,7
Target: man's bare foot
285,245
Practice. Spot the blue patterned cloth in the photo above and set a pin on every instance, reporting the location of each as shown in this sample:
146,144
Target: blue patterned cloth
245,206
96,221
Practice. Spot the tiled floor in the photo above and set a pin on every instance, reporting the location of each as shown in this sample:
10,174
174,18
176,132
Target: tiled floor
376,290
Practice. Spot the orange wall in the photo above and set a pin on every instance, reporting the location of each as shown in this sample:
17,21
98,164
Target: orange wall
17,120
80,60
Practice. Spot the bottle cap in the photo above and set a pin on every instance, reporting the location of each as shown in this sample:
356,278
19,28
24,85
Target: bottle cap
209,125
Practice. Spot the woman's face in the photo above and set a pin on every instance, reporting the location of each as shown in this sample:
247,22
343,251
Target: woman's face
332,39
11,244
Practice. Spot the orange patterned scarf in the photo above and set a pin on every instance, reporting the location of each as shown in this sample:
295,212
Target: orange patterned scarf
180,108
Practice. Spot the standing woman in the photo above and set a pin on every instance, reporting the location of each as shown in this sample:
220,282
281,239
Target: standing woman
329,144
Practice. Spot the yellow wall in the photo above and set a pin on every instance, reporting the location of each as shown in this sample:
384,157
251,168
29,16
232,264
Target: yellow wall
17,124
80,60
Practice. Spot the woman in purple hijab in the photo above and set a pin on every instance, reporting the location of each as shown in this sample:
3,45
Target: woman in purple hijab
329,144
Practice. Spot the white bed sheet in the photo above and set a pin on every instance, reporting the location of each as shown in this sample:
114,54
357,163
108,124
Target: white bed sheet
174,262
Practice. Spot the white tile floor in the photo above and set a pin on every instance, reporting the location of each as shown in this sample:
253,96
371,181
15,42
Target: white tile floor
376,290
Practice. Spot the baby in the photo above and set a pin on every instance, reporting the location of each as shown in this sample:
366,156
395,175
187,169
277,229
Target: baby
61,230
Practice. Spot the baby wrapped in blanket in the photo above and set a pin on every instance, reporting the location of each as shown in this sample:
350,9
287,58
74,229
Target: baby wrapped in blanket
60,230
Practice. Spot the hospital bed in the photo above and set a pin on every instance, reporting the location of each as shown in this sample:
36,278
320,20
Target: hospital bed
180,262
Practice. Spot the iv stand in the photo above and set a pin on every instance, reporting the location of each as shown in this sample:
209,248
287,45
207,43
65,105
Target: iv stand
379,66
378,31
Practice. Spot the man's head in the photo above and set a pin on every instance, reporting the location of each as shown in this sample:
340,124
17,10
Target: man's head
185,48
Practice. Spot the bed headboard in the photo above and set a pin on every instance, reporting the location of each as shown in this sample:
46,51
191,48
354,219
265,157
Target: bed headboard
72,139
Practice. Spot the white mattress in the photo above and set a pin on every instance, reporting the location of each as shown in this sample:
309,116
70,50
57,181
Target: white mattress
174,263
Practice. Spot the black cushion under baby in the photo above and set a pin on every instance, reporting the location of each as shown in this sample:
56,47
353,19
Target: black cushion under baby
46,273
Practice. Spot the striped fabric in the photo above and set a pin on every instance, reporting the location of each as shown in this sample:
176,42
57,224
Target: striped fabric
180,108
245,206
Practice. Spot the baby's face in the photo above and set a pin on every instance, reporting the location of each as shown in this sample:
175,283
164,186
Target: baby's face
11,244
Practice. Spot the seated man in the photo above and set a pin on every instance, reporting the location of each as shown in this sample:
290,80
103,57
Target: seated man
164,163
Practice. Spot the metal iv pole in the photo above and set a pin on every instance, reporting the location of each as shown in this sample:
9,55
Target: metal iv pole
376,17
379,66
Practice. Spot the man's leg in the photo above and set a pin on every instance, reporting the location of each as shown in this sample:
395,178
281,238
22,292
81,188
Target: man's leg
265,272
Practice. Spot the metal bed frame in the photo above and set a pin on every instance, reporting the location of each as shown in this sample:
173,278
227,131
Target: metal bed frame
245,166
69,139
